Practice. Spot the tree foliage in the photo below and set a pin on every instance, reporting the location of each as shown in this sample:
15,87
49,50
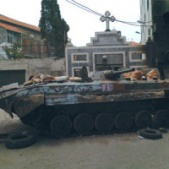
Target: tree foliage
53,28
14,52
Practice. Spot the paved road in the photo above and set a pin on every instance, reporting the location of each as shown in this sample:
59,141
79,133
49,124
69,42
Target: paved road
117,151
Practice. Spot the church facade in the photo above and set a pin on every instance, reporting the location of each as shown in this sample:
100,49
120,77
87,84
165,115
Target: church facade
107,51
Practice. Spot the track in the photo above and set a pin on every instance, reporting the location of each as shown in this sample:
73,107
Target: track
87,119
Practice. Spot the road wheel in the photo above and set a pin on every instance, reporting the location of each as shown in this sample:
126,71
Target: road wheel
104,122
150,133
161,118
60,126
83,124
123,121
143,119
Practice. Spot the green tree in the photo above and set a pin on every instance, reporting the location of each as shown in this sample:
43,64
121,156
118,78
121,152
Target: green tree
14,52
53,28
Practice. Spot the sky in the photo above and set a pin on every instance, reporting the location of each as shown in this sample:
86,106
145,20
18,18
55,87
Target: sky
83,25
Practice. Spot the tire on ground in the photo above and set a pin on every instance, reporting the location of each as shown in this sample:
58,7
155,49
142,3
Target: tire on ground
150,133
20,140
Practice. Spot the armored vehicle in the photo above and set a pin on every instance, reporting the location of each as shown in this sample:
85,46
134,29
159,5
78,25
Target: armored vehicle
109,101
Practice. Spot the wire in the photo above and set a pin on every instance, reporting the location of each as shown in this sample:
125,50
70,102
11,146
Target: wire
99,14
79,5
83,7
133,23
144,22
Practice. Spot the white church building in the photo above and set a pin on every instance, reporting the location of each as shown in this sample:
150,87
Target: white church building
107,50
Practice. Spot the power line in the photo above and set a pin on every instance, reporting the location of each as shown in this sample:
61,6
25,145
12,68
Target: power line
144,22
83,7
99,14
133,23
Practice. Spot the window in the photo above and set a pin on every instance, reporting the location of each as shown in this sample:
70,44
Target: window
14,37
80,57
77,72
32,35
136,56
147,4
9,38
149,31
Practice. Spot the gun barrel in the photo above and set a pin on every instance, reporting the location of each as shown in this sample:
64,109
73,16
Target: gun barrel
124,71
116,74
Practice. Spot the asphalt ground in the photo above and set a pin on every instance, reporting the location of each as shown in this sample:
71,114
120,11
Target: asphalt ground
114,151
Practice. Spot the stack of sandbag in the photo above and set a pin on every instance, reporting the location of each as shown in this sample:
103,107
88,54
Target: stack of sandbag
41,78
75,79
138,74
135,75
152,74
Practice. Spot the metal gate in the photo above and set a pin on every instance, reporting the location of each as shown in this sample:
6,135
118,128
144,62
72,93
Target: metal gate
108,61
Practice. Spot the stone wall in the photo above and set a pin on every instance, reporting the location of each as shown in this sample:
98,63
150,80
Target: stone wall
34,66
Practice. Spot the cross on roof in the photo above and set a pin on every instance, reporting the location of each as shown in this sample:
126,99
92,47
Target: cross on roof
107,18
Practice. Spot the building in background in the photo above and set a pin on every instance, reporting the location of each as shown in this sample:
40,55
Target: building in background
107,50
34,49
146,17
155,15
28,36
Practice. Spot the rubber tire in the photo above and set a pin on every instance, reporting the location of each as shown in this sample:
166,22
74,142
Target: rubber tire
121,123
150,133
65,129
141,121
104,122
83,124
20,140
161,118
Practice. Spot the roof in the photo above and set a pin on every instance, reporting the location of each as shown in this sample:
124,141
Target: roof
134,43
22,24
11,28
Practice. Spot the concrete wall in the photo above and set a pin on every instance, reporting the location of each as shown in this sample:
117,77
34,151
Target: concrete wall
35,66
